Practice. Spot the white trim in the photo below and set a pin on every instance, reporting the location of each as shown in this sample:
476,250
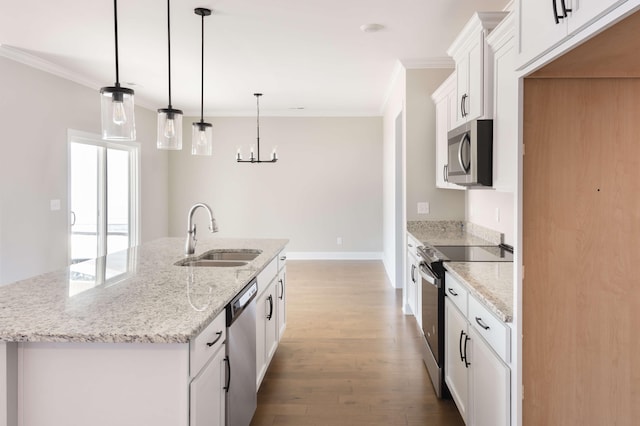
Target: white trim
397,69
334,255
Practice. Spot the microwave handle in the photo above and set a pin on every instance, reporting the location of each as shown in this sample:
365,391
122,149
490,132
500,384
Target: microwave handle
464,167
445,172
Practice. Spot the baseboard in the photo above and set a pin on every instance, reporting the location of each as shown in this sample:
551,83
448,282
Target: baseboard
334,255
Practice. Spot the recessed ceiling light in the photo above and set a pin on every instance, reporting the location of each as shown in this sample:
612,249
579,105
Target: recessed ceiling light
371,28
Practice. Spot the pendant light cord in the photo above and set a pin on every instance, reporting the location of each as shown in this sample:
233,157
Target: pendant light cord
202,75
115,25
169,46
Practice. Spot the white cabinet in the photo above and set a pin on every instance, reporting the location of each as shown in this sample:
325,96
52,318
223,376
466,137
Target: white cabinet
545,24
281,290
444,99
266,320
413,278
489,383
473,67
208,369
476,347
456,368
271,313
207,393
502,43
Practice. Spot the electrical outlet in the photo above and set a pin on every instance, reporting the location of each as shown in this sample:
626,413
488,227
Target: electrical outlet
339,241
423,207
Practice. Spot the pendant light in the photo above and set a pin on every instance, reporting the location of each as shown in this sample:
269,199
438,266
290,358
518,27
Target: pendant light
202,133
169,119
118,121
253,158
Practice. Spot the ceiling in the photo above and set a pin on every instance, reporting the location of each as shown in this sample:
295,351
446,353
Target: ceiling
308,57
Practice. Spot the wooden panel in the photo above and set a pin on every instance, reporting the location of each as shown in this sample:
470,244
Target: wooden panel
612,53
581,214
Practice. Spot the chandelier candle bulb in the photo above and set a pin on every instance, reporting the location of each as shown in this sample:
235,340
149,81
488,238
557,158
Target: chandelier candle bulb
238,155
274,154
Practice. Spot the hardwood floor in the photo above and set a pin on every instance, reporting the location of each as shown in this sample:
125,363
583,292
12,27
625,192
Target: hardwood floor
349,356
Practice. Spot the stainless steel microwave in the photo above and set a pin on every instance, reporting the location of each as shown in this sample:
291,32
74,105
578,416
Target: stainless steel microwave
470,154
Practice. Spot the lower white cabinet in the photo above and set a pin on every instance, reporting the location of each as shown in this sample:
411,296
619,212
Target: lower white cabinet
207,393
456,374
477,377
271,313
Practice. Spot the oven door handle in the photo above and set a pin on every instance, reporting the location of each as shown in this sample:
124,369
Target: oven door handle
428,275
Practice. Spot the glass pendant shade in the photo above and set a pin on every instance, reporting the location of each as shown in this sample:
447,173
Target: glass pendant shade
169,129
118,120
202,139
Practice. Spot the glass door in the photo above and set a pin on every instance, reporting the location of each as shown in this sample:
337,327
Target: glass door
103,187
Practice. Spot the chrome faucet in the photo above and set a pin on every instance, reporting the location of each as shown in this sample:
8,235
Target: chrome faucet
190,246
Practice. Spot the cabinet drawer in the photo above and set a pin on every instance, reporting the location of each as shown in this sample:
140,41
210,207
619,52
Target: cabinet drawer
457,293
494,331
207,343
267,275
282,260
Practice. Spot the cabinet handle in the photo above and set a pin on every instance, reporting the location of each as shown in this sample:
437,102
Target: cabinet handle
283,258
219,334
445,169
453,293
466,358
565,9
270,299
555,12
281,289
413,277
228,363
460,346
481,323
464,104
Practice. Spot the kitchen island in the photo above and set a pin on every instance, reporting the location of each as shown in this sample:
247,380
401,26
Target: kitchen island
109,341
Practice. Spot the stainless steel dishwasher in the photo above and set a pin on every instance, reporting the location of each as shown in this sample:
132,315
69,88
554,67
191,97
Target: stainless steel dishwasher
241,398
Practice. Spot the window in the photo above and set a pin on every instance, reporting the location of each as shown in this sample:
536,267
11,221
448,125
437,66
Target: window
103,188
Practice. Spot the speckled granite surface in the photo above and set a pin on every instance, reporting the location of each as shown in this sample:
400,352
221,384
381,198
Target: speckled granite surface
453,232
137,295
490,282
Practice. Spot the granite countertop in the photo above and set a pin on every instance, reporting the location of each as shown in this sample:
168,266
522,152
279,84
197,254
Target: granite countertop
136,295
490,282
453,233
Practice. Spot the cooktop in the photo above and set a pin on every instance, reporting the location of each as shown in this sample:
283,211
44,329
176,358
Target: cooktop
501,253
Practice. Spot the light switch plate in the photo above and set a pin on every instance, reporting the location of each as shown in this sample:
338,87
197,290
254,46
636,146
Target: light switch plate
54,205
423,207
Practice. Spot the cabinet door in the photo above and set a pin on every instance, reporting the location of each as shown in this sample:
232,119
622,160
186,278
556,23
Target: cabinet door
281,290
489,383
445,120
455,365
505,124
539,31
462,87
412,277
475,86
208,394
584,12
266,329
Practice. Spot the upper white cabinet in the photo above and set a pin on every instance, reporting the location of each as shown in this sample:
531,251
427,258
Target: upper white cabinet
502,43
444,99
545,24
473,67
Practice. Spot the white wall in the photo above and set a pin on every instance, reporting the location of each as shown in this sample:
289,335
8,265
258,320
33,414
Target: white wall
326,184
392,214
36,110
421,150
481,205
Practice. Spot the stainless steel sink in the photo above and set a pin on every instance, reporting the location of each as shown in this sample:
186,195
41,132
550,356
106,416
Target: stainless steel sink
221,258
